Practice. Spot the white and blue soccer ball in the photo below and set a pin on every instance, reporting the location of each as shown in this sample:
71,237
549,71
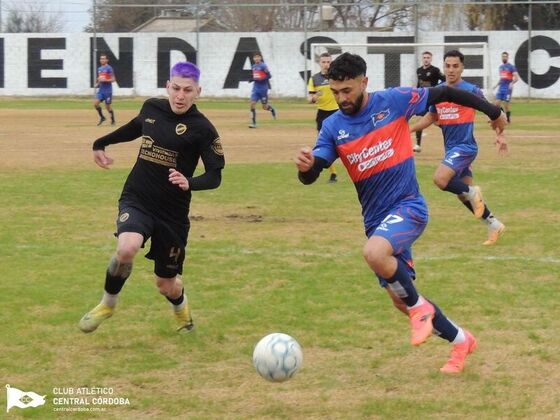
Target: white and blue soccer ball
277,357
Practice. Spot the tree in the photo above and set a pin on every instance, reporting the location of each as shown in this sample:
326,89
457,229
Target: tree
32,18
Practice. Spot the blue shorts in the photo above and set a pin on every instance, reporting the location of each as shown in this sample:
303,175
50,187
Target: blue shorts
401,227
259,95
503,95
459,159
106,97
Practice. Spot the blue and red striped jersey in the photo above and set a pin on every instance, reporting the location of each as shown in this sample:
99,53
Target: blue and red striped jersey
374,146
457,121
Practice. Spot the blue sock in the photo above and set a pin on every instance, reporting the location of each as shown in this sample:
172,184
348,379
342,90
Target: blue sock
456,186
443,326
401,284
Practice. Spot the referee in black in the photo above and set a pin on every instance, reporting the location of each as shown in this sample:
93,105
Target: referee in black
428,75
157,193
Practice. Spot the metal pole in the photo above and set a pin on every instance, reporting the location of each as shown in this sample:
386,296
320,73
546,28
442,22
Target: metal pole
416,33
305,47
529,48
94,46
197,32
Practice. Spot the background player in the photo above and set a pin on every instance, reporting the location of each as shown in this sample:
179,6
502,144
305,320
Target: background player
156,196
261,85
508,77
377,153
104,84
457,124
320,94
428,76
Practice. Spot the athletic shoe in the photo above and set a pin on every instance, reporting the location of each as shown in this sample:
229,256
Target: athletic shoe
184,319
95,317
252,125
494,233
333,179
421,322
477,202
101,120
459,353
417,148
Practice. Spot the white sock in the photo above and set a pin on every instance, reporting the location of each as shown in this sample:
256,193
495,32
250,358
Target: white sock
420,302
460,338
179,307
109,299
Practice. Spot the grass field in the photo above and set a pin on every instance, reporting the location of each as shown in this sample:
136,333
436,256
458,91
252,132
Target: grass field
269,254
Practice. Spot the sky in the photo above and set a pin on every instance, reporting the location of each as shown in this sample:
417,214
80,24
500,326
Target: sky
74,13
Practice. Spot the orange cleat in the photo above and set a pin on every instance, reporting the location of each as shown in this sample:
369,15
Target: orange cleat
459,353
421,322
494,234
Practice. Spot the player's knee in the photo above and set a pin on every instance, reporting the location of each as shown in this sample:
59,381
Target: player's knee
167,286
441,182
127,252
374,258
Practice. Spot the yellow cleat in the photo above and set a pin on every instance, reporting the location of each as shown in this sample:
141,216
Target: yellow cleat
184,319
95,317
494,234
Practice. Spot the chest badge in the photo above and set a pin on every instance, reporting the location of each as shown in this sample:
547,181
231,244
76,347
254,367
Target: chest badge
380,116
180,129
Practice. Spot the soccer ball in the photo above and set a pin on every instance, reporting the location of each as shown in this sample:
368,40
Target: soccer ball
277,357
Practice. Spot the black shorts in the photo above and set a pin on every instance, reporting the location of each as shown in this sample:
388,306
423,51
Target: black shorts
321,116
168,240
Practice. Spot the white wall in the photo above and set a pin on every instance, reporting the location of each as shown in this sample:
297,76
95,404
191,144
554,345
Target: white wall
282,53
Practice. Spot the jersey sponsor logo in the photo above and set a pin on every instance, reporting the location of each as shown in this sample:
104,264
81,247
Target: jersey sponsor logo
150,120
450,113
380,116
342,134
124,217
181,129
377,150
217,147
152,153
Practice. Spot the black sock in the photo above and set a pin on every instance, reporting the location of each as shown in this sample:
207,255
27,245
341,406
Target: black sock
456,186
177,301
443,326
254,116
487,213
116,275
508,115
401,284
112,116
419,137
98,109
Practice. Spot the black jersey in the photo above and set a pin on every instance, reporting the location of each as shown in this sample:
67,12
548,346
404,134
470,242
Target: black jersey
430,76
169,141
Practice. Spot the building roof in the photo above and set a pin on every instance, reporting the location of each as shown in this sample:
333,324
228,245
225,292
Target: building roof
178,24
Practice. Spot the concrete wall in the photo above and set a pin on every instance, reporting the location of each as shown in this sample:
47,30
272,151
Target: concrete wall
61,64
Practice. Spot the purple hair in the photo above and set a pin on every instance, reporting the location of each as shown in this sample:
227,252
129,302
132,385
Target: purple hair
185,69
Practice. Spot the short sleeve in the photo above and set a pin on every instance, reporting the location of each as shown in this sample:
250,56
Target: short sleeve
325,147
409,101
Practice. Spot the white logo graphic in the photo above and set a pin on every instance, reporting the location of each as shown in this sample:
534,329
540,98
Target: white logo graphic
453,156
391,219
22,399
342,135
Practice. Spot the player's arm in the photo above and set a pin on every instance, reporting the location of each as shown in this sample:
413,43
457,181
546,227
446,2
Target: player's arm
309,166
515,78
128,132
440,94
207,181
423,122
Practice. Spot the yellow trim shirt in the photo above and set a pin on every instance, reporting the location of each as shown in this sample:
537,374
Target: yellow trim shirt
319,85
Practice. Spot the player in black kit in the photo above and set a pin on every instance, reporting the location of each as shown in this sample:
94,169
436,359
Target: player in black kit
428,75
156,196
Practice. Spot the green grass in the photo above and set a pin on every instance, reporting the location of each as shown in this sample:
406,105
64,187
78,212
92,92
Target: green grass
269,254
